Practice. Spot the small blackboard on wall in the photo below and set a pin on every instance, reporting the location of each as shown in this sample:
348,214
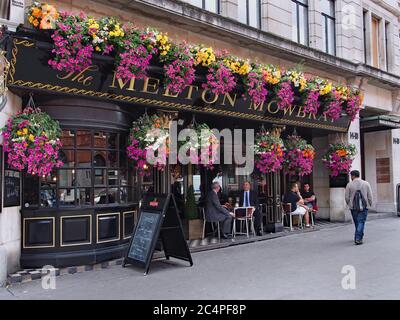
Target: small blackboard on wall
158,222
12,187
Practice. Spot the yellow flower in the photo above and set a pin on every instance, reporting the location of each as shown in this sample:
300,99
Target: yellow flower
36,12
25,131
30,19
35,22
48,22
205,57
164,53
98,48
19,133
327,88
31,137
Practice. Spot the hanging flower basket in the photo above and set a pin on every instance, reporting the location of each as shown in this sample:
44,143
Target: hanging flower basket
148,144
339,158
299,156
32,140
269,152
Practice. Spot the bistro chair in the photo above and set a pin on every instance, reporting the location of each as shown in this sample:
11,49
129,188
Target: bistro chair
287,211
203,213
246,219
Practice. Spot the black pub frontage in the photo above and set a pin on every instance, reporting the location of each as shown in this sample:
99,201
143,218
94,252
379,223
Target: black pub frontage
84,213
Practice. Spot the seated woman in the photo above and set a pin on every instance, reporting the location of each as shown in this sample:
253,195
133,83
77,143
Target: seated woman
297,203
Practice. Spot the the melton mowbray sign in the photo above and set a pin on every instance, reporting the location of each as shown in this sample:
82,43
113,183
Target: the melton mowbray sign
29,70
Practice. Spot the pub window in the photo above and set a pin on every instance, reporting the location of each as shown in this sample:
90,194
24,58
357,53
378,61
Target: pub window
328,25
300,21
249,12
209,5
5,9
96,172
375,42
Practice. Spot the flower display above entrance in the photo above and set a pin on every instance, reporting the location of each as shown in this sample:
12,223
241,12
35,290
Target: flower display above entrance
77,38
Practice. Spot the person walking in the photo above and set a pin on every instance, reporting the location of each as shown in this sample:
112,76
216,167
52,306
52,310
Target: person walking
359,199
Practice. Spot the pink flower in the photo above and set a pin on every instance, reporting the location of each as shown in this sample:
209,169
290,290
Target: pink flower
220,80
334,110
256,88
285,95
312,104
133,63
179,74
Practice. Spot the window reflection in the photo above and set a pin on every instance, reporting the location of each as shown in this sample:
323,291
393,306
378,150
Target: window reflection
67,197
84,158
48,198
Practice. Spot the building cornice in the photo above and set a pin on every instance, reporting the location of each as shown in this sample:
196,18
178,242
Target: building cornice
222,28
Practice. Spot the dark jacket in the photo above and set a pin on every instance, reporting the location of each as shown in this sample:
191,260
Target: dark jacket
214,210
253,198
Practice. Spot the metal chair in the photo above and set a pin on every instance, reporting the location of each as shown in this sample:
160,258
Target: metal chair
246,218
203,213
287,211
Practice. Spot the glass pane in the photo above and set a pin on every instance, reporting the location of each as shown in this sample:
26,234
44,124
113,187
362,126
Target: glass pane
84,197
100,196
112,141
125,195
68,138
328,7
113,195
212,5
31,190
197,3
294,22
83,177
303,18
112,177
99,159
67,178
84,158
242,11
49,181
100,177
48,198
123,177
68,158
100,140
67,197
83,139
331,36
113,159
254,13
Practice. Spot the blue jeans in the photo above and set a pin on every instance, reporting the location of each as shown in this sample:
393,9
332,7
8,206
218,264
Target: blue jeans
359,219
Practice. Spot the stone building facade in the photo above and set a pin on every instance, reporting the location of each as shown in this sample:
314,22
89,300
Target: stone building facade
354,42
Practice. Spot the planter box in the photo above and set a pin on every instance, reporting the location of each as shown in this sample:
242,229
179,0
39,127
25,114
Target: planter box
193,229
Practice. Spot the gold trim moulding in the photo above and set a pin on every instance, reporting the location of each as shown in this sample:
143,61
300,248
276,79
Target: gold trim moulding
24,232
77,243
97,226
123,223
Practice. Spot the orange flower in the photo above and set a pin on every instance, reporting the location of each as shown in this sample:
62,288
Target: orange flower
35,22
47,22
341,153
36,12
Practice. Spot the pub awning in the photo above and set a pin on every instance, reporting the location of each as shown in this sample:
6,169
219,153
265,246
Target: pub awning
380,122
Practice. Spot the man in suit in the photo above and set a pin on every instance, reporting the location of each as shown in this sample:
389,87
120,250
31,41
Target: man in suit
249,198
215,212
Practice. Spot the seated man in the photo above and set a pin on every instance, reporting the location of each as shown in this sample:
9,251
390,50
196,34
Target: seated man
249,198
215,212
298,207
309,196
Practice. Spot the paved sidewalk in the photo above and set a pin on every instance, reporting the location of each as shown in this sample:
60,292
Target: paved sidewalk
301,266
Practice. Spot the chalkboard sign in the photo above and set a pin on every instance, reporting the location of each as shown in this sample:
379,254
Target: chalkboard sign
158,222
144,235
12,188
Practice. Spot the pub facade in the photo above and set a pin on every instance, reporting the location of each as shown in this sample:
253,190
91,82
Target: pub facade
85,210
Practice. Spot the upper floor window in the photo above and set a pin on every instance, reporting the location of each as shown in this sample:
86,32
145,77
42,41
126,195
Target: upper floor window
5,9
375,43
300,21
209,5
328,25
249,12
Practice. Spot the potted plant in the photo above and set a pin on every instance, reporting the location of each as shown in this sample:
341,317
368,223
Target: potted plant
194,224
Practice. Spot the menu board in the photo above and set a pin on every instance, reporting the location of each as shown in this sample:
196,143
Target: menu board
12,188
144,235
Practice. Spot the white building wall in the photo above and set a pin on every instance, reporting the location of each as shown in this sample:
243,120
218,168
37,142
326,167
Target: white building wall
10,218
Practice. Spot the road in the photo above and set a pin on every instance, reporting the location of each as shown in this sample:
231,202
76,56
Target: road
299,266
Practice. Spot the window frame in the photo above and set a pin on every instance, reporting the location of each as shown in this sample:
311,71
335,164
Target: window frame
307,35
259,15
121,168
326,18
203,6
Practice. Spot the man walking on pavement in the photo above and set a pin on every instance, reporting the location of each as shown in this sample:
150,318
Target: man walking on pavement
359,199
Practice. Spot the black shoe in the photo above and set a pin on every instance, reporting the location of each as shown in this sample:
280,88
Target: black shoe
224,236
259,233
358,242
